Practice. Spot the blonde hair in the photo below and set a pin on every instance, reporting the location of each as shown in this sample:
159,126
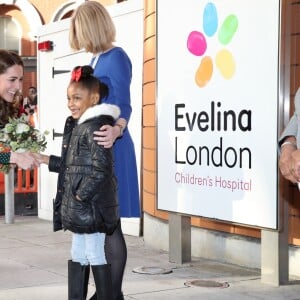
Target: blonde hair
91,28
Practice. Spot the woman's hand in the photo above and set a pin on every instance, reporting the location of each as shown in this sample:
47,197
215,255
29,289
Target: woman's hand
107,135
42,158
24,160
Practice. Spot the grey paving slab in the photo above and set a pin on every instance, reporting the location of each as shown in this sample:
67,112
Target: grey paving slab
33,266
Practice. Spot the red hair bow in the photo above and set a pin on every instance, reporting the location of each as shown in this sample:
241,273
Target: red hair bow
76,74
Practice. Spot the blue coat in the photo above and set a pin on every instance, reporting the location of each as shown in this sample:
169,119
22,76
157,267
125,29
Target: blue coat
114,69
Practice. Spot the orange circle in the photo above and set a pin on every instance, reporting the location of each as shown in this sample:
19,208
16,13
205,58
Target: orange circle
204,71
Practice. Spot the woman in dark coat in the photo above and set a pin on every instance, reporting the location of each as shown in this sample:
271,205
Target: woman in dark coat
11,82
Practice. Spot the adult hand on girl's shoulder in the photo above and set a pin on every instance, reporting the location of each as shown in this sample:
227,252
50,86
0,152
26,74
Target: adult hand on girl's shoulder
106,135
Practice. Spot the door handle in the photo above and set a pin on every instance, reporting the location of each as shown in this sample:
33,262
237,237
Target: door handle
56,72
56,134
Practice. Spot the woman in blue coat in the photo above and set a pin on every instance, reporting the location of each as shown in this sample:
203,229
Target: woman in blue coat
92,29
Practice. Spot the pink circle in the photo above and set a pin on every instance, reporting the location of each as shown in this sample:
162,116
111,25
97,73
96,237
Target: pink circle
196,43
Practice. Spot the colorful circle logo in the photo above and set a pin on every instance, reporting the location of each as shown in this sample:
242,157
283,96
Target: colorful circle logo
197,45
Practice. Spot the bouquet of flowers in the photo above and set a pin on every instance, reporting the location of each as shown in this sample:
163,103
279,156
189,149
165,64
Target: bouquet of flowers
19,136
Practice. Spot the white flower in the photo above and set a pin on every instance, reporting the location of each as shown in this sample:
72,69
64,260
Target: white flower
22,127
21,150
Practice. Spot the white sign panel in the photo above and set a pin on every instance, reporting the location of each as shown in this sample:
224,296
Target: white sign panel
217,98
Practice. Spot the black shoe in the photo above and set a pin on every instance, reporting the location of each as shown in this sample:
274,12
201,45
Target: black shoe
94,297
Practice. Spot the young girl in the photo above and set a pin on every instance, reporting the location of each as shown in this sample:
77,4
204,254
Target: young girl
86,202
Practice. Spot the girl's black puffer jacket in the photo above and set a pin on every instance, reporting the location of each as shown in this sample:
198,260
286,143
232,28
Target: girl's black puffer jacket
86,170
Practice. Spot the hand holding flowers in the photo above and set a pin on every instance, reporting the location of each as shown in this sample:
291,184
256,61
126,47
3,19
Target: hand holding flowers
19,136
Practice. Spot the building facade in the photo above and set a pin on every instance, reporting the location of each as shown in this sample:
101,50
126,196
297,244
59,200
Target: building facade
21,18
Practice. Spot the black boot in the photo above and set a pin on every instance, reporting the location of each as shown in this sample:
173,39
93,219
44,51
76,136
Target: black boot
78,277
102,277
86,281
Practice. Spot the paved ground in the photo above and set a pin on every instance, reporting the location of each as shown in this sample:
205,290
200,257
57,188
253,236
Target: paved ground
33,266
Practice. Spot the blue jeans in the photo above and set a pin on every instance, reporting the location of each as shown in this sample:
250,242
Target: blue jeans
88,248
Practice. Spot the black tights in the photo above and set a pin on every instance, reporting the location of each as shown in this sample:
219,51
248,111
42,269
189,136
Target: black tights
116,256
